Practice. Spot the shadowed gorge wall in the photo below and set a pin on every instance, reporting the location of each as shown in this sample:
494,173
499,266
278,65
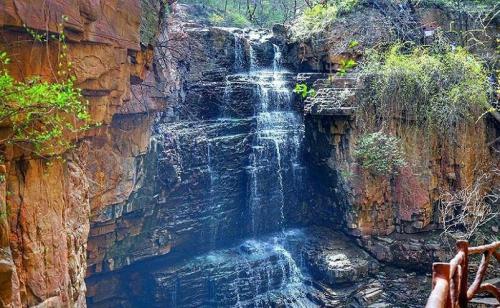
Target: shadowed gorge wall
225,164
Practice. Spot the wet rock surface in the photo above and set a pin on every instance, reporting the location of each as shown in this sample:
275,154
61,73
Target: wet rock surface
271,270
332,259
416,252
224,160
393,287
287,269
225,164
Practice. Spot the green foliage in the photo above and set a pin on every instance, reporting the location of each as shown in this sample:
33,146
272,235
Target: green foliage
232,19
239,13
2,170
379,153
265,13
5,210
39,112
217,19
438,89
346,66
304,91
353,44
317,18
149,20
346,174
238,20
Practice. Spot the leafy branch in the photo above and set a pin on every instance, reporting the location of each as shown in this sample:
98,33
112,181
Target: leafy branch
41,113
304,91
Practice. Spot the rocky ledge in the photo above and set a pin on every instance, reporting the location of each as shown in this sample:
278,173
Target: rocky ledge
295,266
312,267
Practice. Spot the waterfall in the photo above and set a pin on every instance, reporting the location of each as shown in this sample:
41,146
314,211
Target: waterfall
253,58
226,98
274,179
220,186
214,221
274,160
277,58
239,52
275,272
275,151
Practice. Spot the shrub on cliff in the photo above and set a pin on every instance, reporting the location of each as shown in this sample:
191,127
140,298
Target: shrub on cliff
317,18
379,153
43,114
232,19
438,89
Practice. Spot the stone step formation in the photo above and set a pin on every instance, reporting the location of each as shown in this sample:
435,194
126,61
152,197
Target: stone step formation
335,95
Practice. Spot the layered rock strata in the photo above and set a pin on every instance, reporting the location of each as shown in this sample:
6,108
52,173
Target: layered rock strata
192,191
283,269
46,203
394,208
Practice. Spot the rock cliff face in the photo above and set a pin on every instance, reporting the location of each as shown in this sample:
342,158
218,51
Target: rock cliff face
202,146
381,205
393,218
224,164
384,213
193,191
46,202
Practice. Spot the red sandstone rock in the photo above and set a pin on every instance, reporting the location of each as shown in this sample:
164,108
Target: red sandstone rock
48,229
109,22
50,199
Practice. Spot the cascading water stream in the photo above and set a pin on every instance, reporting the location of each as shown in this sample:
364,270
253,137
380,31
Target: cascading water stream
214,224
265,268
239,52
277,58
276,147
253,58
